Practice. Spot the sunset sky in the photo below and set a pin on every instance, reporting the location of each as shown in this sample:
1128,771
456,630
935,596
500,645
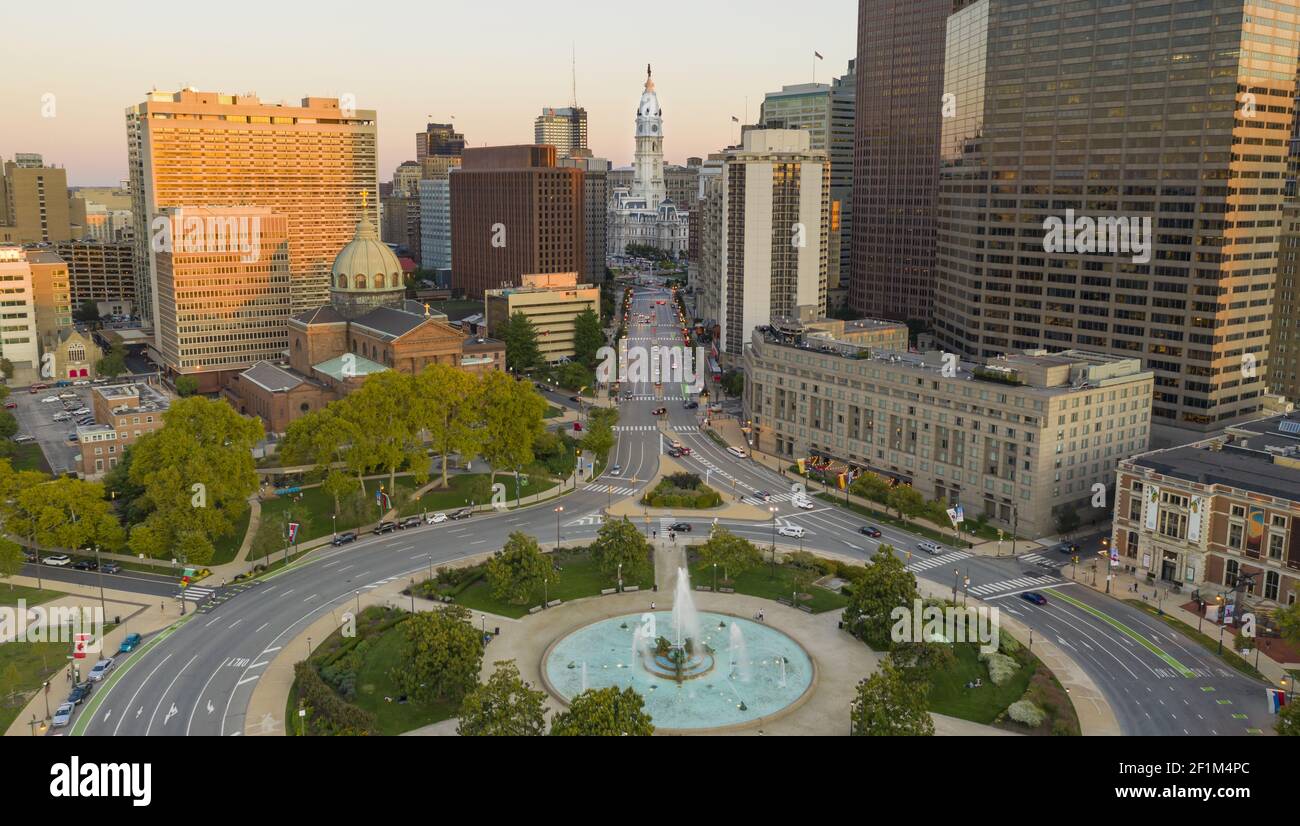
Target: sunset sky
492,65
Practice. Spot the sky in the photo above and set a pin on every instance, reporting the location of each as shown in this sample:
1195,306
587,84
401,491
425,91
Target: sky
491,65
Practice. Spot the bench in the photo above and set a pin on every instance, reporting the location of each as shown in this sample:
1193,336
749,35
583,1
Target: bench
604,592
785,602
554,603
630,588
535,609
703,588
806,609
726,590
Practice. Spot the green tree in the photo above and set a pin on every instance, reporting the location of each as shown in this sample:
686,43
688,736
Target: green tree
588,337
11,559
598,439
517,572
906,500
8,424
71,513
196,473
6,368
604,712
87,312
504,706
1287,618
733,554
733,383
520,337
449,409
1288,720
870,486
113,364
618,542
385,425
512,420
885,585
186,386
889,705
920,661
336,485
1067,520
324,438
441,657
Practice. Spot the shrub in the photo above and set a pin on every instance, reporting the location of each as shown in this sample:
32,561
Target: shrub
1008,644
1026,713
1001,667
326,712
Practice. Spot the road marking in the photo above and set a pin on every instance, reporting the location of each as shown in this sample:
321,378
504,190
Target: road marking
167,691
1130,633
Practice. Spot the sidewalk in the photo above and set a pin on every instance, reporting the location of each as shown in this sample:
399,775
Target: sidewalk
632,508
138,613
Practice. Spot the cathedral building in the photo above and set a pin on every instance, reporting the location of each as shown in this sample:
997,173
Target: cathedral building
643,213
369,326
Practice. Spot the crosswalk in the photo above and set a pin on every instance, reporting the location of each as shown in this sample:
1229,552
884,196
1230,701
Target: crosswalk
1008,586
635,428
925,563
686,428
197,594
605,488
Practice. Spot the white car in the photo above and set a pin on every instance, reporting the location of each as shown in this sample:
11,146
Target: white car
81,411
49,400
63,715
62,417
101,668
806,504
435,518
796,531
931,547
615,470
81,383
57,560
23,439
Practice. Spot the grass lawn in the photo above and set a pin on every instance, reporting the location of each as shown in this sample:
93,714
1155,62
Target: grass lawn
29,457
579,577
949,694
759,582
374,684
553,412
224,549
320,508
466,487
35,662
32,596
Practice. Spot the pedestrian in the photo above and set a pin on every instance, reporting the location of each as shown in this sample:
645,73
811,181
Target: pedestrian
652,606
654,534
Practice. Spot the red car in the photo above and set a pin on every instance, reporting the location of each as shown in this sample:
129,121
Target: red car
577,427
11,405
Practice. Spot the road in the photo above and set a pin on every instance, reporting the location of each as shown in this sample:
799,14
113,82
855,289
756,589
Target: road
197,680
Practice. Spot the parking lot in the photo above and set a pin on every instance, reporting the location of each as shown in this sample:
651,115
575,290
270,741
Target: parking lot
36,419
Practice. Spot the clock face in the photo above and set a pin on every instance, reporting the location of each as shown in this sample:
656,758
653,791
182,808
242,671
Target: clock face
654,127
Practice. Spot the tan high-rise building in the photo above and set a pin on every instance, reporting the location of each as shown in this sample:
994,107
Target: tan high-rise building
1128,200
34,203
51,296
308,163
224,292
19,344
552,302
102,272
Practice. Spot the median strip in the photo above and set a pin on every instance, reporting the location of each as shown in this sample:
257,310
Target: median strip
1128,632
88,713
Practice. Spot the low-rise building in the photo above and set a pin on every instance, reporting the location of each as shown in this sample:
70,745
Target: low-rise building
1221,515
1017,440
123,413
552,302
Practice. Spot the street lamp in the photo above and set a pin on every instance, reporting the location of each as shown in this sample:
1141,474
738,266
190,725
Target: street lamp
956,578
99,570
559,509
773,509
1218,599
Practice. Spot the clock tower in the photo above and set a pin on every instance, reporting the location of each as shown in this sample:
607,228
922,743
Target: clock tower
649,182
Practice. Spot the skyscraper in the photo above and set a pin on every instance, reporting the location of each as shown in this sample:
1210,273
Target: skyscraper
309,163
439,139
513,213
565,129
33,202
595,197
1113,180
896,155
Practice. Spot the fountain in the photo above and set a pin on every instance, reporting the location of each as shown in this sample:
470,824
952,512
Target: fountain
674,671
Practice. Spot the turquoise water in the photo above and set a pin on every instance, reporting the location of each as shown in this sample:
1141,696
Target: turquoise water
712,699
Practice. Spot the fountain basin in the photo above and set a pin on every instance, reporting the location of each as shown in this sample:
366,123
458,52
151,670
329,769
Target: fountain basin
775,673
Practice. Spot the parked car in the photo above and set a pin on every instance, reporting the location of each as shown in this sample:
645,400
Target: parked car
80,692
462,513
344,538
930,547
86,565
870,530
49,400
411,522
101,668
63,715
11,405
62,417
38,387
680,527
385,527
575,399
796,531
73,437
436,518
129,643
68,395
111,568
57,560
23,438
1034,597
30,556
81,411
81,383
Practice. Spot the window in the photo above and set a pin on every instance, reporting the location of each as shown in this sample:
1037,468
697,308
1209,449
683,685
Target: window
1235,534
1173,524
1275,543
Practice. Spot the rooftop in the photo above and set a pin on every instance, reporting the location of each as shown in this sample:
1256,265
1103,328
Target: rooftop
271,377
1262,456
356,366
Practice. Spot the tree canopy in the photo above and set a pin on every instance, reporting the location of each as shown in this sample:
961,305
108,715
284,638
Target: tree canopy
604,712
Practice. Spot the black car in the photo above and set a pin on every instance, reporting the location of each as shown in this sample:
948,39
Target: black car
30,556
463,513
85,565
345,537
111,568
411,522
1068,548
870,530
659,411
691,405
680,527
385,527
80,692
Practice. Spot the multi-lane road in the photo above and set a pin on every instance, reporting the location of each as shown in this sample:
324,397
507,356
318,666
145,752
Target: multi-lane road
197,677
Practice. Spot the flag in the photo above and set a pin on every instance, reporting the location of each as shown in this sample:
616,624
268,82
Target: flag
735,119
818,55
1276,699
80,642
802,468
293,531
